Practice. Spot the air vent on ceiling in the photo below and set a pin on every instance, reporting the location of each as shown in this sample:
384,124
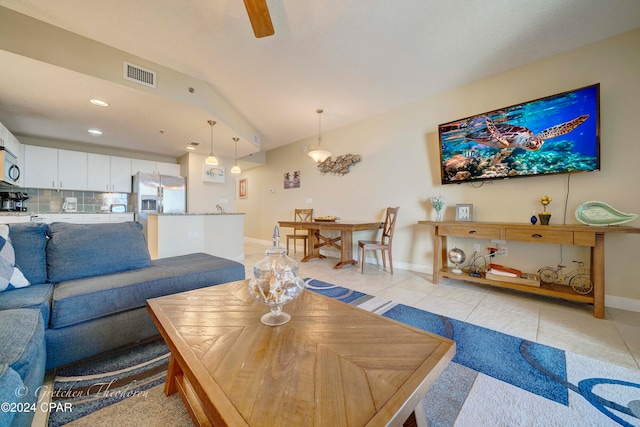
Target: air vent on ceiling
139,75
256,140
192,145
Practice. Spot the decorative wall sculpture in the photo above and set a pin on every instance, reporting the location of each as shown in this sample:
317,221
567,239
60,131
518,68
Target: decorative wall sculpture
340,165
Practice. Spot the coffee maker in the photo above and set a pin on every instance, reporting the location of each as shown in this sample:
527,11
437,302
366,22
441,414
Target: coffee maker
20,202
13,201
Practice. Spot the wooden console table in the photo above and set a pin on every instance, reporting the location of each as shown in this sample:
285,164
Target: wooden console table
573,234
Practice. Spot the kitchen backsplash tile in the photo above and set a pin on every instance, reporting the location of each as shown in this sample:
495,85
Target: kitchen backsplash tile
50,201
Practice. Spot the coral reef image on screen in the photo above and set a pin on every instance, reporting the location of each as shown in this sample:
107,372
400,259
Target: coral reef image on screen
556,134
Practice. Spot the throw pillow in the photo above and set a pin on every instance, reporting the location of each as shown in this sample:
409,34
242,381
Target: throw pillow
10,276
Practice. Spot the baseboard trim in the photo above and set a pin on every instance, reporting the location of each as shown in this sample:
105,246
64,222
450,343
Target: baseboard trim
622,303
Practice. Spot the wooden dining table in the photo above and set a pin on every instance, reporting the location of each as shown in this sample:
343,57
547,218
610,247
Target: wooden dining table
342,242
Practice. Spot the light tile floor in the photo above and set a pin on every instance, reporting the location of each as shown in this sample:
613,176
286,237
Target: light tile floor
562,324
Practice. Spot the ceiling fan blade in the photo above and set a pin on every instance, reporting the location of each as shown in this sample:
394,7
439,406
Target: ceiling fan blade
259,17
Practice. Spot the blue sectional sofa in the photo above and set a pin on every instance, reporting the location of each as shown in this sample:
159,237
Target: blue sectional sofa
86,294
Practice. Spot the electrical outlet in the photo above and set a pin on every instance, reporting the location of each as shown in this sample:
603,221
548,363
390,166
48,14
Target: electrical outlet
476,247
503,251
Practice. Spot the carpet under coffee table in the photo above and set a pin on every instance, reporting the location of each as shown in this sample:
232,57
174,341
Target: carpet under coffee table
332,364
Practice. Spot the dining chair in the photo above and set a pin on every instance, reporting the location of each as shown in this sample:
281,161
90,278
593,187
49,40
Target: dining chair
384,245
300,215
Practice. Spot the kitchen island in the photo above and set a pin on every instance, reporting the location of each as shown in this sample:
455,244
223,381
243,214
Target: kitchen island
219,234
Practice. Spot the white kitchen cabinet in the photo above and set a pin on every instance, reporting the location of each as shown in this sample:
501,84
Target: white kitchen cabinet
13,219
56,169
98,172
158,168
121,217
72,170
95,217
144,166
40,167
172,169
108,173
120,174
67,217
42,218
4,133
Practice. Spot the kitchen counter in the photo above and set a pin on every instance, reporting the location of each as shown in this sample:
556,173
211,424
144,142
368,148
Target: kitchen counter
14,217
173,234
195,214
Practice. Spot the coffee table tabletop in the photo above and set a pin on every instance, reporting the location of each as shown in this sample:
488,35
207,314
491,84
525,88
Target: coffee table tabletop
332,364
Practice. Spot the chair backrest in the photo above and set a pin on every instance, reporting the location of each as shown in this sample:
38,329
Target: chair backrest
389,225
303,215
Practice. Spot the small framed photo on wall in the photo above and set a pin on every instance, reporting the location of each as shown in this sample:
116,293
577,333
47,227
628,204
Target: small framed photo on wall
242,188
464,212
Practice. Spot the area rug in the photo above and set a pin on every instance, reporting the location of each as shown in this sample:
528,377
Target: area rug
494,379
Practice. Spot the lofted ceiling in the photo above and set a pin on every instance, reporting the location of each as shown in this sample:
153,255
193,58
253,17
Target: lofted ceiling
353,58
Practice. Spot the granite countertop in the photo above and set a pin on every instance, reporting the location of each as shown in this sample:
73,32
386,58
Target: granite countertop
15,213
195,214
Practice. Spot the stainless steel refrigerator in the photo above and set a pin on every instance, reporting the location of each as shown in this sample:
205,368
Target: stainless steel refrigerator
158,194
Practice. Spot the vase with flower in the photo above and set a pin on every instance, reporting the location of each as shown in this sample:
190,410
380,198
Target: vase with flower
438,204
544,215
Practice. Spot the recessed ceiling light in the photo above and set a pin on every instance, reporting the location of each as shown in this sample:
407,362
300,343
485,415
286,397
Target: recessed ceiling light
99,102
95,132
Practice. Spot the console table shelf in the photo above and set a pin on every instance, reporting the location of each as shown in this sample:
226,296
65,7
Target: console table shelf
572,234
555,290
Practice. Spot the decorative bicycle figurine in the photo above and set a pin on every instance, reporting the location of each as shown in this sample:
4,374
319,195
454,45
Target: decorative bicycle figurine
578,279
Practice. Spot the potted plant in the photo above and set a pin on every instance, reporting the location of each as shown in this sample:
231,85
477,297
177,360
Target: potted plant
544,215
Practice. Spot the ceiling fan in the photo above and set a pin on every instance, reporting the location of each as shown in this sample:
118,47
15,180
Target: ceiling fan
259,17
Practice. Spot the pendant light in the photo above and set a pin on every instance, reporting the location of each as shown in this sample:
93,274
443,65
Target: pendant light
236,169
317,153
211,160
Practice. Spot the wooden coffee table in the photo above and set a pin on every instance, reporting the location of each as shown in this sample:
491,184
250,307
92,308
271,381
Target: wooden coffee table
333,364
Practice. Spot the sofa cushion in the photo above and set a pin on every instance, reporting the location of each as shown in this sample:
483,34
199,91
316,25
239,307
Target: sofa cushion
34,296
10,386
80,300
22,338
23,349
10,276
29,241
76,251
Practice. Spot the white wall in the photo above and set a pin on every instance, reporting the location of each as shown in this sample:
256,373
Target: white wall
400,161
202,197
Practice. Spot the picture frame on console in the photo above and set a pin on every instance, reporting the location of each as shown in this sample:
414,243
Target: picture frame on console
464,212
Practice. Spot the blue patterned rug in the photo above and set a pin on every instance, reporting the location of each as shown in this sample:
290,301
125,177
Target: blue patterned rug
494,379
500,380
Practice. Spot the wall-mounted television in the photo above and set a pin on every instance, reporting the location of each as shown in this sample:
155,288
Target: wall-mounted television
555,134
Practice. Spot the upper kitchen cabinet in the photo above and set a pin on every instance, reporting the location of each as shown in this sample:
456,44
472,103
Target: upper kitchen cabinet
11,143
41,167
109,173
55,169
172,169
158,168
120,174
